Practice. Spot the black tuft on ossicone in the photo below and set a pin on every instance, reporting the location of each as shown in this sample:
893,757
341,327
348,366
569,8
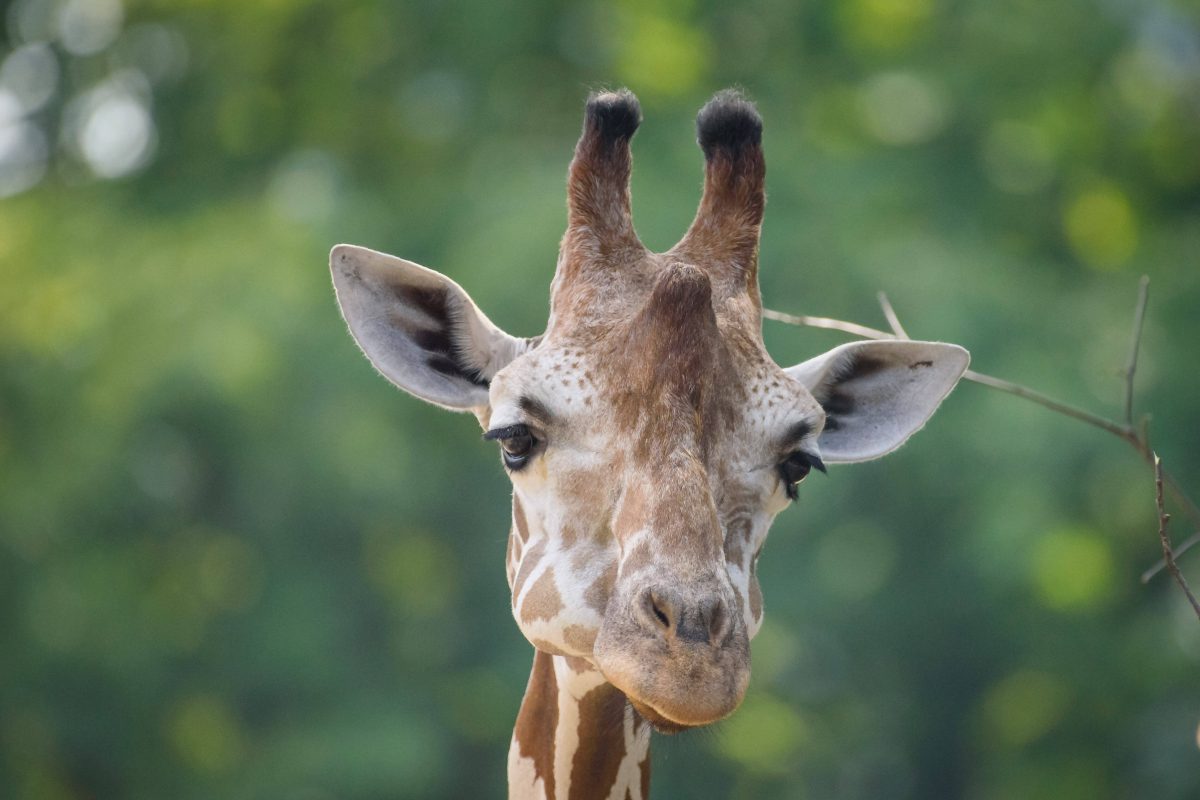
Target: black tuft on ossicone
728,122
614,115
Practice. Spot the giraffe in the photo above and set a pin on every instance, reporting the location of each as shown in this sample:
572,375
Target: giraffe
650,440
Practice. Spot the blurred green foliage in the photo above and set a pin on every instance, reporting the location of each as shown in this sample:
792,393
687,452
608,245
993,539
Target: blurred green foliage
235,563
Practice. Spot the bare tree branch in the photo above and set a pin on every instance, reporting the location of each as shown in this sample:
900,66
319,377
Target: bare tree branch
1165,540
1137,437
1017,389
1183,547
828,324
890,314
1049,402
1139,317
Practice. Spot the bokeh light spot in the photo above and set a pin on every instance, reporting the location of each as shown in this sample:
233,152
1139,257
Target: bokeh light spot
1072,569
1023,707
61,315
661,55
235,354
23,154
1018,157
111,128
764,734
415,571
1101,227
304,187
86,27
30,73
902,108
883,25
206,734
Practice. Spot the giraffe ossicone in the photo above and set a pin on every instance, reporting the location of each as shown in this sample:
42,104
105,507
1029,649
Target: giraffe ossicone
650,439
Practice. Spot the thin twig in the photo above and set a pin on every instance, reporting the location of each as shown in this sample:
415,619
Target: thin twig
1184,546
971,375
827,324
890,313
1049,402
1136,436
1165,540
1128,435
1139,317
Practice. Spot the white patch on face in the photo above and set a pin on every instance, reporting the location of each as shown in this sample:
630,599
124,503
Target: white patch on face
575,611
574,571
568,534
631,542
740,572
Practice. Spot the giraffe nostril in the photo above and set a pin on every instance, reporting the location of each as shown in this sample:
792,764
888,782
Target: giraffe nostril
718,621
657,610
664,612
662,616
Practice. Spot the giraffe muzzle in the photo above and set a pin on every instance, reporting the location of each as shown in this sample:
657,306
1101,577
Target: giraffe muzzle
681,657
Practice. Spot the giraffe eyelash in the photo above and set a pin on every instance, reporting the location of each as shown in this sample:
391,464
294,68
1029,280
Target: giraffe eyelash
507,432
517,445
795,468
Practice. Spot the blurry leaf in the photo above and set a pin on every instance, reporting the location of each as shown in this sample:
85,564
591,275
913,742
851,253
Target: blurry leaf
206,734
1101,227
764,735
1072,569
1023,707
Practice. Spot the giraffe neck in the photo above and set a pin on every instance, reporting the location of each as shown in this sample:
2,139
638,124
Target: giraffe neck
576,737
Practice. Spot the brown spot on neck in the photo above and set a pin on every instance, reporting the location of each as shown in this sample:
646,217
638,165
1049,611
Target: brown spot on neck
601,743
537,721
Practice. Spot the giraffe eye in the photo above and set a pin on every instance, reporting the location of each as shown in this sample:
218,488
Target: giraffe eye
516,444
795,468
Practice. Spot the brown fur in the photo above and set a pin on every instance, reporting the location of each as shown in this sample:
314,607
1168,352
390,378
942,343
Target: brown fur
529,562
538,719
726,229
673,351
601,743
543,600
597,594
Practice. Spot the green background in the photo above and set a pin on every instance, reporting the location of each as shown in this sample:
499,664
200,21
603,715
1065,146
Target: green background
236,563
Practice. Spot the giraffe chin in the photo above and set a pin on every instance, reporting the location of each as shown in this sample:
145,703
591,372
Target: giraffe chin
707,692
657,720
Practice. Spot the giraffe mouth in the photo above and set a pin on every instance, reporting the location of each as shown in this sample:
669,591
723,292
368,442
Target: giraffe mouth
657,720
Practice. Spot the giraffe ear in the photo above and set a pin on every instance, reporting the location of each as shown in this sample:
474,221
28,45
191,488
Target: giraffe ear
419,328
877,394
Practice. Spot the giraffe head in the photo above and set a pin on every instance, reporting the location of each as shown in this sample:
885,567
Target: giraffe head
650,438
